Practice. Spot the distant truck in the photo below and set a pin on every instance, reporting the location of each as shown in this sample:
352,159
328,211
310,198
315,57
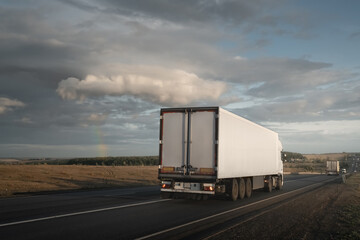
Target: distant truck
206,151
332,167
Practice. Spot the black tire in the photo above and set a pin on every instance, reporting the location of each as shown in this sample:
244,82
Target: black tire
193,196
279,183
241,188
234,189
269,185
248,187
165,195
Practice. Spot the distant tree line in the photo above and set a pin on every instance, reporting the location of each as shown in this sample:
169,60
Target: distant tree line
102,161
116,161
293,155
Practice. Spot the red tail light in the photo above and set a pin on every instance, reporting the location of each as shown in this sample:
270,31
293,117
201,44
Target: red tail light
166,185
208,187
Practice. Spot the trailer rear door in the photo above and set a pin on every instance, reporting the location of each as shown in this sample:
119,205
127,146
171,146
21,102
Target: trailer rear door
173,139
202,142
188,141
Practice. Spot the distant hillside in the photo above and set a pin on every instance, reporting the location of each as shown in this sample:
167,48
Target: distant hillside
117,161
326,156
315,162
105,161
9,161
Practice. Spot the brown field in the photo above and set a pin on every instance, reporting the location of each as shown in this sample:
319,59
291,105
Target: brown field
16,179
306,167
326,156
314,163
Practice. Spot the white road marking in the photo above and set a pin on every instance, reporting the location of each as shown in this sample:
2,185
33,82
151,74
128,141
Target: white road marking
81,213
226,212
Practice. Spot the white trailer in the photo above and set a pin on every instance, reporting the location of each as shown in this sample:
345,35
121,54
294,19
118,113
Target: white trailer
332,167
209,151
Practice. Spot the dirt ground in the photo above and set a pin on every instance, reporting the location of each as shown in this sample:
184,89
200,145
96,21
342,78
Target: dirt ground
324,157
331,212
17,179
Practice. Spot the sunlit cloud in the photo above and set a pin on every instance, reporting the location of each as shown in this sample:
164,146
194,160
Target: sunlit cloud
161,86
7,104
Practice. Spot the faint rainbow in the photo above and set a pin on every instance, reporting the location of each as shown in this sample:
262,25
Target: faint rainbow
102,149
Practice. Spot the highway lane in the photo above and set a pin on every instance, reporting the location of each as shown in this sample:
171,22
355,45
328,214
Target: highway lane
38,206
131,213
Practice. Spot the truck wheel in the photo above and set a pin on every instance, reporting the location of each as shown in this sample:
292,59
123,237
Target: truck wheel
279,183
234,189
165,195
198,197
248,187
241,188
269,185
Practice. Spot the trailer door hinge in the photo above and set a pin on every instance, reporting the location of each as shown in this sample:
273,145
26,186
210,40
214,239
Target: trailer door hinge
160,142
161,117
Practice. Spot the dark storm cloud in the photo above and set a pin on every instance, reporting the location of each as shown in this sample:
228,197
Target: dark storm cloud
335,103
246,16
274,77
281,77
180,11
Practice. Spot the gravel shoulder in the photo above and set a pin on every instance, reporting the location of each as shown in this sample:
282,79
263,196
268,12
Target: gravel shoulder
330,212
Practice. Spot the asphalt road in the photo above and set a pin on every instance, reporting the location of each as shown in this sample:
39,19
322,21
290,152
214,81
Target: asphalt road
136,212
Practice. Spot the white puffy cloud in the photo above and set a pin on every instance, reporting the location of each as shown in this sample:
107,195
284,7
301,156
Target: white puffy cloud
7,104
158,85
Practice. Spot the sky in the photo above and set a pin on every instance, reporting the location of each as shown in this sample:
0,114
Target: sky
87,78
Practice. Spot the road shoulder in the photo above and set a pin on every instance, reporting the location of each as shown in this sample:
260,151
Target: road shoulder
330,212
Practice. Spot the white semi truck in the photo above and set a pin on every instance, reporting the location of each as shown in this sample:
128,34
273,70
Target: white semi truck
332,167
210,151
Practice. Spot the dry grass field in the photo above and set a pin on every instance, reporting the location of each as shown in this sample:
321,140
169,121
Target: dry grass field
314,163
15,179
305,167
326,156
